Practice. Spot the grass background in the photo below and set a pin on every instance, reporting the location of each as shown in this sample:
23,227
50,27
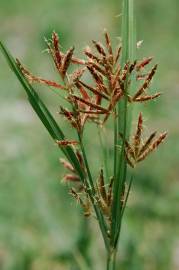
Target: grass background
40,224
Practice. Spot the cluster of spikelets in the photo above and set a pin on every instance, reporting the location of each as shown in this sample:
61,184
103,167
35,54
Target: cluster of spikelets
137,150
95,102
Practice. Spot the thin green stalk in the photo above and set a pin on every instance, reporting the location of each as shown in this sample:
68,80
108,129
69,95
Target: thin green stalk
104,153
115,144
111,260
127,195
91,191
119,122
128,51
123,209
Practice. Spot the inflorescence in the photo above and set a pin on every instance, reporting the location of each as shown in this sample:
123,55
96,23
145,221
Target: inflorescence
95,102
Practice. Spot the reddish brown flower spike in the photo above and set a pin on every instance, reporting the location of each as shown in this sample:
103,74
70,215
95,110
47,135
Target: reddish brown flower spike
71,178
33,79
101,186
67,164
147,97
91,56
137,137
95,75
108,44
58,57
153,147
66,61
66,142
117,54
77,74
140,65
138,151
99,48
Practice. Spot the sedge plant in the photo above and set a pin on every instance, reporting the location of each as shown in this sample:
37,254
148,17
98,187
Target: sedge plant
118,81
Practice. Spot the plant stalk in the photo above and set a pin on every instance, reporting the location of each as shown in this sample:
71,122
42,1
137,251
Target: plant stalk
91,192
111,260
122,124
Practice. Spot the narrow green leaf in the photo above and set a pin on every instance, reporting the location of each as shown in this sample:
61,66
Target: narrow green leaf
42,111
52,127
123,123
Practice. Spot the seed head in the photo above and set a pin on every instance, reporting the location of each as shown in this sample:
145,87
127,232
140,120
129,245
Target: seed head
66,61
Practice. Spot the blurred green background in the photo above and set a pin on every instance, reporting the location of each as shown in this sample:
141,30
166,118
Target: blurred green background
41,227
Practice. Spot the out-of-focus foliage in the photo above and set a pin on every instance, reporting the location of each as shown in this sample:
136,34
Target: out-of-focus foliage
40,225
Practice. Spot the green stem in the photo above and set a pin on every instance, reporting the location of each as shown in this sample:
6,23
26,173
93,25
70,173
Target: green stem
104,153
111,260
91,191
123,125
115,144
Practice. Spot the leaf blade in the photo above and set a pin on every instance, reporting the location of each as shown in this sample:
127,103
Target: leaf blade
42,111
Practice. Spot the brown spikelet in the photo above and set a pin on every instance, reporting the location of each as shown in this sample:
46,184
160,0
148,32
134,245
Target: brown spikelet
83,92
104,207
117,94
147,97
95,91
137,136
159,141
109,193
91,56
152,147
109,71
31,78
128,148
66,113
140,65
146,83
108,45
101,87
51,51
86,206
125,71
138,93
116,77
140,77
101,186
80,158
71,178
92,105
132,67
46,82
66,61
66,142
117,54
97,68
67,164
95,75
77,61
74,60
76,196
69,116
152,73
75,76
129,161
58,57
91,112
147,143
99,47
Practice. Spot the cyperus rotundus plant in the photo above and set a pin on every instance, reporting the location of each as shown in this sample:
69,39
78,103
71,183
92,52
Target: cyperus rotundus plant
108,97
